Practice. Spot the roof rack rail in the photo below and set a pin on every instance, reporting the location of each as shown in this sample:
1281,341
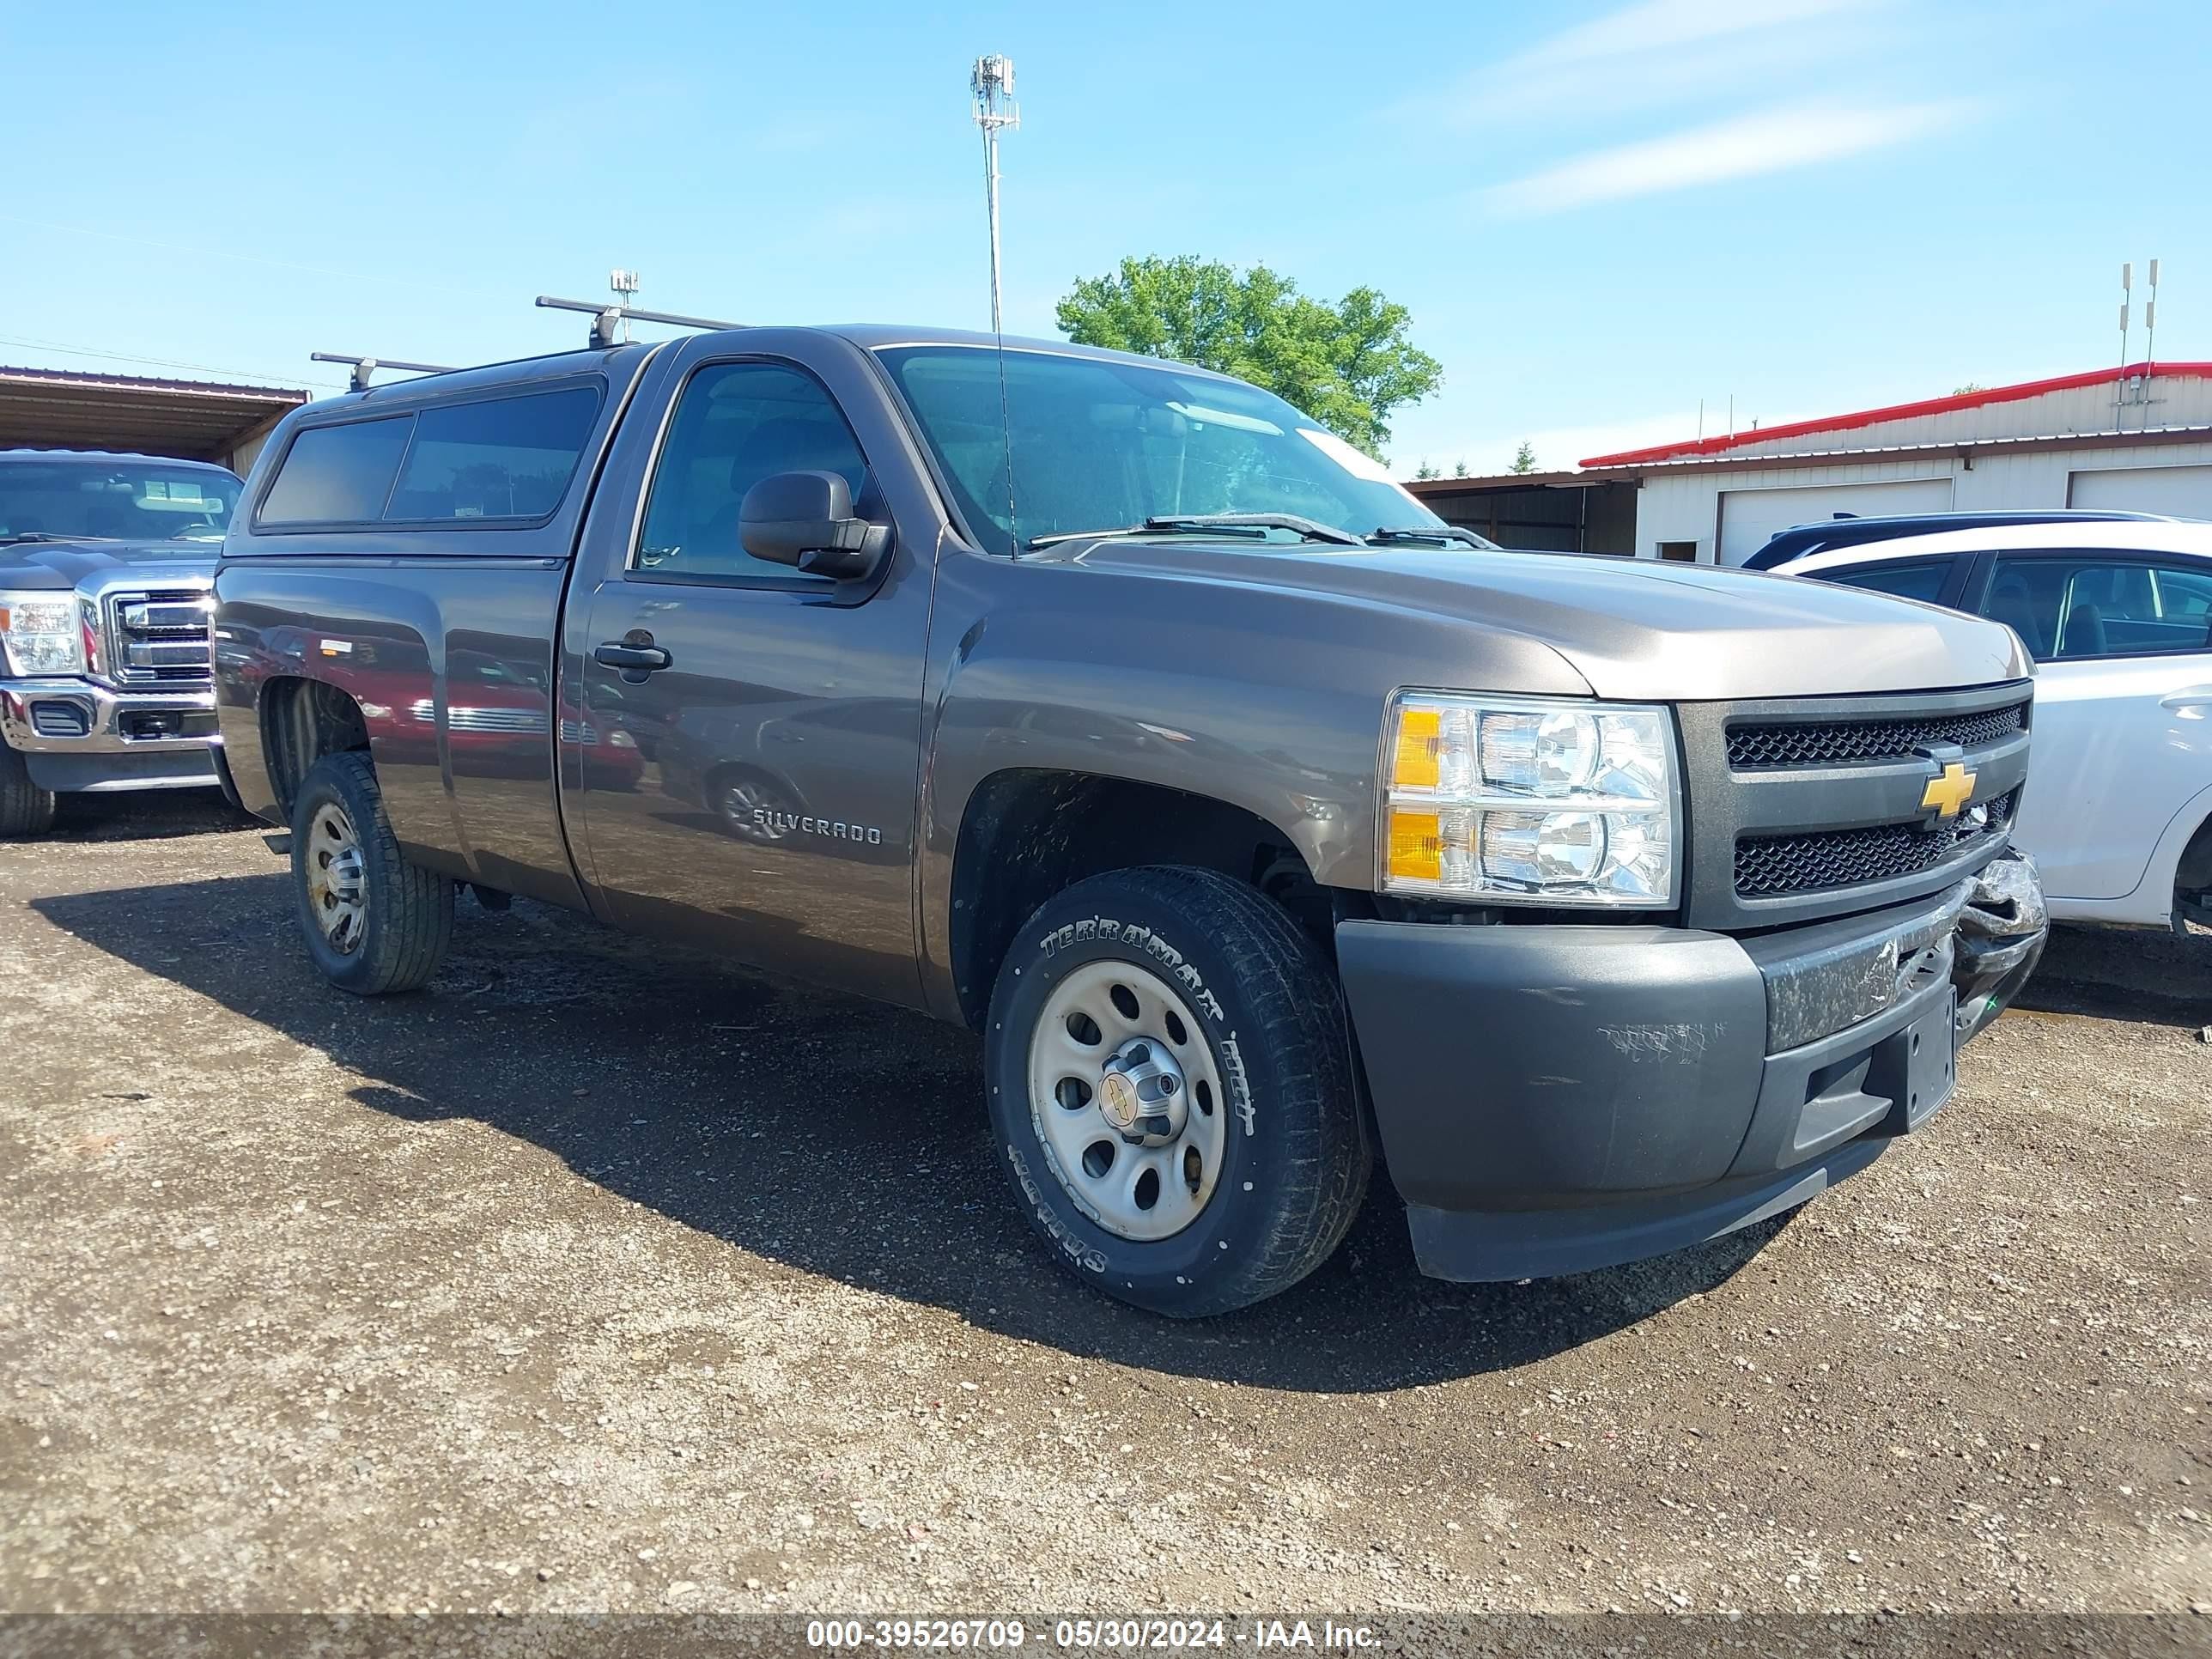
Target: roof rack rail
365,367
606,319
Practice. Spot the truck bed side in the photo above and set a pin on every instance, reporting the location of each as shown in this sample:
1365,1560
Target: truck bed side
434,650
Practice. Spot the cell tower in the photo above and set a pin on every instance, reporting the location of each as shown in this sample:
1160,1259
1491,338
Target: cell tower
991,100
623,284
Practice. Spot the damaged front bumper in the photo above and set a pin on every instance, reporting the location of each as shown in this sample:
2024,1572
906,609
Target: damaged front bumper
1553,1099
2001,932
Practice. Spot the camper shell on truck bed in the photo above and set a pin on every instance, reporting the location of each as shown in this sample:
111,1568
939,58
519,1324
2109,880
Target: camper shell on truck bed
1116,710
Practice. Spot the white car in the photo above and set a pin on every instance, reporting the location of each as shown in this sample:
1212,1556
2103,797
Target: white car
2118,616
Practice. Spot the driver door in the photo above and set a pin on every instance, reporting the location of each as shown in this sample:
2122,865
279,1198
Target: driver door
772,806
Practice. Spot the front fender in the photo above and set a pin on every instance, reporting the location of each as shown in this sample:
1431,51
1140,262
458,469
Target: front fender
1269,699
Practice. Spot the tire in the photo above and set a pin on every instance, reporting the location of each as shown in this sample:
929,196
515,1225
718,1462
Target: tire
1282,1157
26,810
374,922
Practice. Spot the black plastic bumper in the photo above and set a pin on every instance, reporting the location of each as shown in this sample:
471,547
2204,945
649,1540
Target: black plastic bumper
178,767
1553,1099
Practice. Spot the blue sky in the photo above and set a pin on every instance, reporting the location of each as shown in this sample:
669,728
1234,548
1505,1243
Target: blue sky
1598,214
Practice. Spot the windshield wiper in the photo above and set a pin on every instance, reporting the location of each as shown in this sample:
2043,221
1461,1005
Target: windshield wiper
38,536
1199,524
1427,534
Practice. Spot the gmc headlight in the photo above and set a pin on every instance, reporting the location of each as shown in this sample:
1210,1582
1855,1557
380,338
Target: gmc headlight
1534,801
39,634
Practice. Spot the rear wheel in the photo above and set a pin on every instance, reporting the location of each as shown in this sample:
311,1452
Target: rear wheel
374,922
26,810
2193,885
1171,1090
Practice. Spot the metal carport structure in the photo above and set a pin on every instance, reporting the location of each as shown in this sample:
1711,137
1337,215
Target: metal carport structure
194,419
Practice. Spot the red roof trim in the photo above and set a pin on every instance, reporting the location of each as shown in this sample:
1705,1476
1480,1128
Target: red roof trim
1999,394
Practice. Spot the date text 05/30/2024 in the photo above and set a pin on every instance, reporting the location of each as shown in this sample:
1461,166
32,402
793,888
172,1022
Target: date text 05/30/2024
1101,1635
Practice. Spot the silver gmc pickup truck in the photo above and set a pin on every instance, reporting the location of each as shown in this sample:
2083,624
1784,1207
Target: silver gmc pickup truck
106,564
1250,814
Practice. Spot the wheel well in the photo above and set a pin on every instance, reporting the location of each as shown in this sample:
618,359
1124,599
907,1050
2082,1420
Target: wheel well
302,721
1027,834
2194,873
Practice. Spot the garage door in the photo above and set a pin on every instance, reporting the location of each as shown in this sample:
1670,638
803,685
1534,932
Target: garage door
2183,491
1749,517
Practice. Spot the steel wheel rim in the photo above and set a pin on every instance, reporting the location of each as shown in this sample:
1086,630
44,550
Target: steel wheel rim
1095,1162
338,887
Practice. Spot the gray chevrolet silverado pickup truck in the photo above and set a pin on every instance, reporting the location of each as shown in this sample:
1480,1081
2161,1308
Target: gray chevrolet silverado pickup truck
1117,711
106,562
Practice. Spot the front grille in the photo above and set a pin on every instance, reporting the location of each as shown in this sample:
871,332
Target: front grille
1768,866
161,637
1833,743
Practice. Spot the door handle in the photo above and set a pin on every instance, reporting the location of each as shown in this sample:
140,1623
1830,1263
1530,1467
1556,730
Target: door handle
2191,697
636,661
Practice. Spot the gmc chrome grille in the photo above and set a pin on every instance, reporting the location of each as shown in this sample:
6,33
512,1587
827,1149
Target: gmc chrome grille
463,717
160,637
1769,865
1833,743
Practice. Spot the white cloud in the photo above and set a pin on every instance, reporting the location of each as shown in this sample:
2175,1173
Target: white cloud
1657,24
1767,141
1660,52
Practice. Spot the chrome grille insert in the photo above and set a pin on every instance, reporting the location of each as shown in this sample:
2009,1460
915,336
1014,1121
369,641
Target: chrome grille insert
160,637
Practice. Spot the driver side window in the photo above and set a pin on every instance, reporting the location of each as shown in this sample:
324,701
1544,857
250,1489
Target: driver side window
735,424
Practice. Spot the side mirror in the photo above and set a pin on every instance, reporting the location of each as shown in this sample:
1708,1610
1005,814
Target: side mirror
806,520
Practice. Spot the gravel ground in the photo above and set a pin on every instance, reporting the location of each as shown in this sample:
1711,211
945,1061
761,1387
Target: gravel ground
599,1276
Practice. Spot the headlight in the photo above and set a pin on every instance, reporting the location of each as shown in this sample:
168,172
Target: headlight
1527,799
40,633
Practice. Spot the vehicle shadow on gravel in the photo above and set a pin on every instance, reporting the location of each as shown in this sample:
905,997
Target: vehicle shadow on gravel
147,815
840,1137
2130,974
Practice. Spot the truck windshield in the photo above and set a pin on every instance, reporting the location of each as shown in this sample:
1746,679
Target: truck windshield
1073,444
99,499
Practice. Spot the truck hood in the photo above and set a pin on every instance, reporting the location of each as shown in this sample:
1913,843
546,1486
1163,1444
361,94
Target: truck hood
1632,628
61,565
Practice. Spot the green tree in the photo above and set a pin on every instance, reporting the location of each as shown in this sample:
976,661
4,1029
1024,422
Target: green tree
1971,386
1524,458
1426,471
1347,364
1459,467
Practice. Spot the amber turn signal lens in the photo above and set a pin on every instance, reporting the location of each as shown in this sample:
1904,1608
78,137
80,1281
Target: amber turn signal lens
1419,731
1416,845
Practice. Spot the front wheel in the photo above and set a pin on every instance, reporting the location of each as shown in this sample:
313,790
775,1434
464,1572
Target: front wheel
26,810
1171,1090
374,922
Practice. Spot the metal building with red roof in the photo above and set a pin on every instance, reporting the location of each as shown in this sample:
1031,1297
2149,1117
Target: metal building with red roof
2137,437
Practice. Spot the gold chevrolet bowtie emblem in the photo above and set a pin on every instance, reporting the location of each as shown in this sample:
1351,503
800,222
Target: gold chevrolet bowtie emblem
1948,790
